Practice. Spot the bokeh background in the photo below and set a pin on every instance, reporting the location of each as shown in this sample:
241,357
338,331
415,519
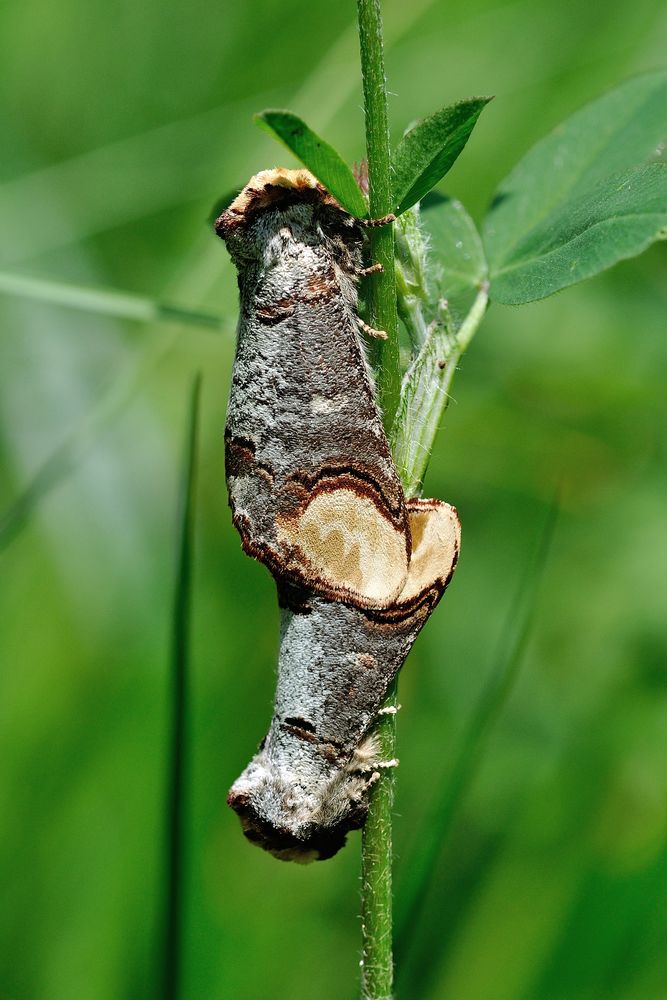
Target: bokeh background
122,124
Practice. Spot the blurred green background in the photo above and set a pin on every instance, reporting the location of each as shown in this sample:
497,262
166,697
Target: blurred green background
122,124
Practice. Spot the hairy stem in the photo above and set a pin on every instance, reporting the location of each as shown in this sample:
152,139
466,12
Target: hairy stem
376,864
376,869
381,288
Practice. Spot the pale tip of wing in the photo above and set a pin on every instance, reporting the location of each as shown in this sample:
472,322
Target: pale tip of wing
436,538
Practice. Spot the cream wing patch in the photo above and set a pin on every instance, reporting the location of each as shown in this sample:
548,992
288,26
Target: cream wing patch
342,539
436,539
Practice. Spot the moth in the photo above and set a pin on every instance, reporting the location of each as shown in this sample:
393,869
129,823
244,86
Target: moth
315,496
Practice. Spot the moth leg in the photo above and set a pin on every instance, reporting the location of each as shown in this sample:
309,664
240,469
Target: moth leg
389,710
384,221
377,334
379,767
384,764
373,269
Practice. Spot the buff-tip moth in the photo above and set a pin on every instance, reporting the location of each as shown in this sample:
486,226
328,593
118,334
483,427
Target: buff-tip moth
315,496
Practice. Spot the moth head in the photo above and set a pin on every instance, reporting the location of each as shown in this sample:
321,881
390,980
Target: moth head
281,199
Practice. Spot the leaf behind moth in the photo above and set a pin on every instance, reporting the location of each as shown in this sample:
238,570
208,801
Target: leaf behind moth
321,159
455,250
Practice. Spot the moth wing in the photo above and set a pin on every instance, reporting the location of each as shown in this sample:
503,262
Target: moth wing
436,539
344,546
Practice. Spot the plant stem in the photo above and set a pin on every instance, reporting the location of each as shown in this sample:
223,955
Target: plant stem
381,287
376,861
376,869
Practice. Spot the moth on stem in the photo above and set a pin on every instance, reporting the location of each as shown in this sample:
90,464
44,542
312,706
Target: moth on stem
316,497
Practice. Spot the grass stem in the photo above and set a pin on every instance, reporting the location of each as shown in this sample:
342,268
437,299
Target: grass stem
376,870
422,868
180,654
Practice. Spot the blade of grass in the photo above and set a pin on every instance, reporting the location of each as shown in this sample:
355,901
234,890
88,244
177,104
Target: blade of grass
180,655
435,833
104,302
70,452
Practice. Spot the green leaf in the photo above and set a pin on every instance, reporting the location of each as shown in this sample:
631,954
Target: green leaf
587,159
618,218
316,154
427,150
455,247
441,280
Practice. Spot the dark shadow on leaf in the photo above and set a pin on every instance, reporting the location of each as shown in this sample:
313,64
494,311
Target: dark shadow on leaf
498,198
433,199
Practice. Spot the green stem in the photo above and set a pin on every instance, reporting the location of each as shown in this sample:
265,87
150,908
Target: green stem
180,655
376,864
376,868
381,288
